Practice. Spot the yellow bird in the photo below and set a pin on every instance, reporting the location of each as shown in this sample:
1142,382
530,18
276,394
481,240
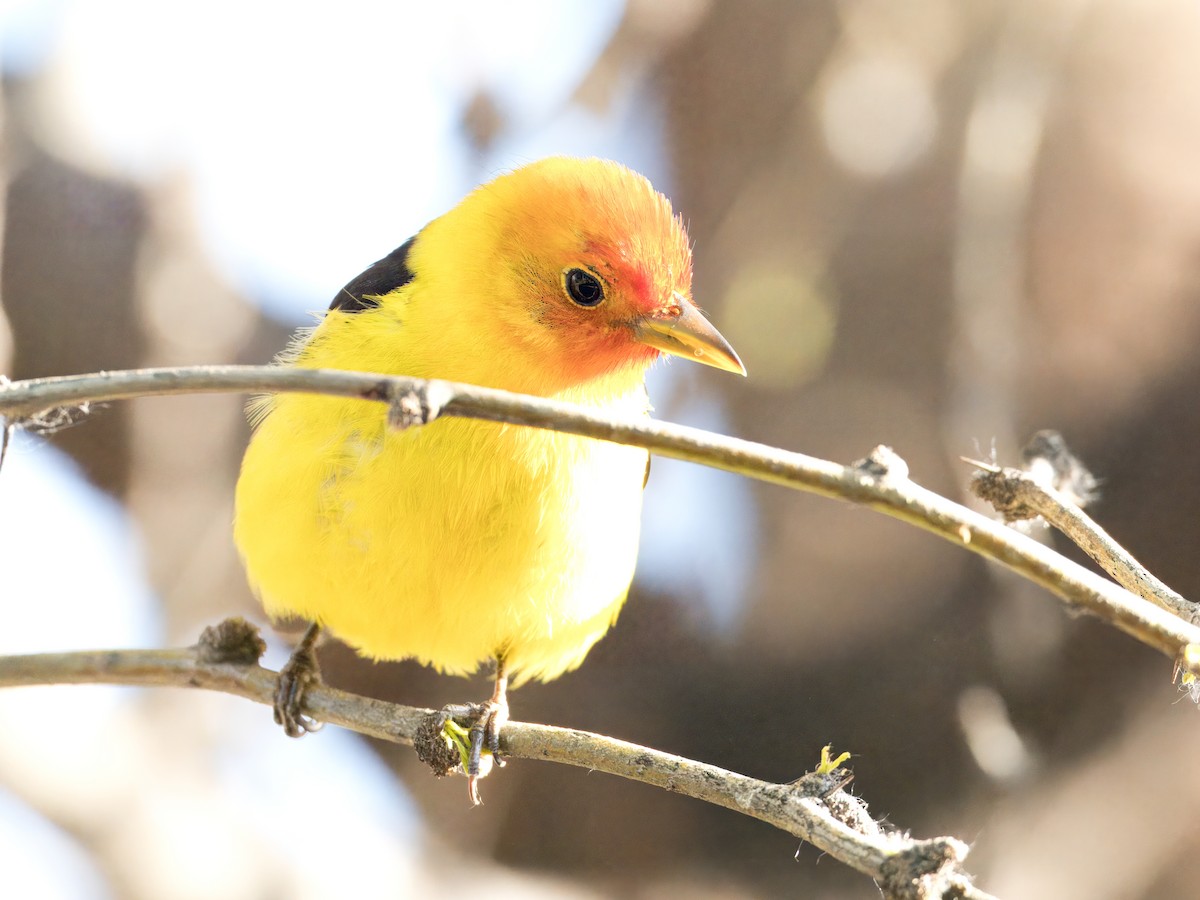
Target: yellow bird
465,542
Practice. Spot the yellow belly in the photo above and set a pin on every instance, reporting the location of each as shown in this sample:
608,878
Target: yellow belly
450,543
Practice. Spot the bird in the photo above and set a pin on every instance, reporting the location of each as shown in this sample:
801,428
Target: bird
466,543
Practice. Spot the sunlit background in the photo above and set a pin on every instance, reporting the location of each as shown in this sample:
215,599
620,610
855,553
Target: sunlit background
932,224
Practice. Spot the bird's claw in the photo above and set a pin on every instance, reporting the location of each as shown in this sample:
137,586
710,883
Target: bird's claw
484,731
297,675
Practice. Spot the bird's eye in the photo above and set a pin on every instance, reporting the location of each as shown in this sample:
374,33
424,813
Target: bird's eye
583,287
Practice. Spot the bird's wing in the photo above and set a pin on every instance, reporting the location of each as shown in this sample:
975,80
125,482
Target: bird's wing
363,293
378,279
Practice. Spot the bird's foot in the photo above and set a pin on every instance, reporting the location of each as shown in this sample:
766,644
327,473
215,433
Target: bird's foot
299,673
478,744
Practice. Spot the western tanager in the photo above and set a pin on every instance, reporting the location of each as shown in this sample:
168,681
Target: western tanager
464,541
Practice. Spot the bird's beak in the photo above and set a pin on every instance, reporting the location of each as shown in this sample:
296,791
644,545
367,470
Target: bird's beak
680,329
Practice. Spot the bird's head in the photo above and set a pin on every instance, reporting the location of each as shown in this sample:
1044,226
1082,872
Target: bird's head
587,270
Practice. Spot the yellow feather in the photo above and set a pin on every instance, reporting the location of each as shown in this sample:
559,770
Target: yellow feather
464,541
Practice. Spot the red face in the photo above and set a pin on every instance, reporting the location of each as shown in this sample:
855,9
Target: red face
597,260
603,295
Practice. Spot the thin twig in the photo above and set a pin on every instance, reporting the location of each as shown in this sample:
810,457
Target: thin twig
880,483
1018,495
904,867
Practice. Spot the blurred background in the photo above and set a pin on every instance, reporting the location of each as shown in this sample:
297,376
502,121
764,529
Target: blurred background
931,224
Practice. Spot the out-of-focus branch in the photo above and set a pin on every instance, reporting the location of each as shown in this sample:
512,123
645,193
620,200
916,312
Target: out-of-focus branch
814,808
1014,94
1018,495
880,482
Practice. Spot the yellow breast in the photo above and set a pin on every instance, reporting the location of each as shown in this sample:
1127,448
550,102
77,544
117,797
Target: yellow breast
450,543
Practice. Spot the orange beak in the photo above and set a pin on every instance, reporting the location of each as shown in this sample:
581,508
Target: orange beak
681,330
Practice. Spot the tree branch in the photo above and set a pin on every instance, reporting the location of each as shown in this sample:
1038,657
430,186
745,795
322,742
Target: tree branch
1019,495
814,808
880,482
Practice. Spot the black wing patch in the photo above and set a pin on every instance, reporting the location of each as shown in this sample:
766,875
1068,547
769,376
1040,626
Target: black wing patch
380,278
